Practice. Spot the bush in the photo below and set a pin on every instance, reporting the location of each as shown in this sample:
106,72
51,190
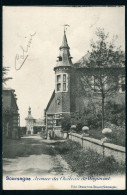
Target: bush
66,146
79,127
87,162
118,134
66,123
115,113
91,116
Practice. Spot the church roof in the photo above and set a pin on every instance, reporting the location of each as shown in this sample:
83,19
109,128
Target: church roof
64,42
64,58
29,117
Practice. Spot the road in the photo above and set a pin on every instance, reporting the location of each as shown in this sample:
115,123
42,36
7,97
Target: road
33,156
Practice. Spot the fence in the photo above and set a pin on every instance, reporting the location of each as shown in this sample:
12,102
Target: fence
105,149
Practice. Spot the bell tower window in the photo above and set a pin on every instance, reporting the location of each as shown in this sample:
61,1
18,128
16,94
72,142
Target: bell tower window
64,78
64,86
60,58
62,82
59,87
58,78
58,82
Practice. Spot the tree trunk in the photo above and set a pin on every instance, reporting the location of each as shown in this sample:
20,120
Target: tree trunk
103,118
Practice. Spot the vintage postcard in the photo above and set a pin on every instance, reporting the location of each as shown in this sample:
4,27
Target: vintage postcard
63,98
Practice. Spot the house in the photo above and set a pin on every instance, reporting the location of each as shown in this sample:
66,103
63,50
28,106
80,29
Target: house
10,114
71,96
33,125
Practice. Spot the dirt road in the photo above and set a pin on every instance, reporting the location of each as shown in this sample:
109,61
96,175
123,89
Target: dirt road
33,156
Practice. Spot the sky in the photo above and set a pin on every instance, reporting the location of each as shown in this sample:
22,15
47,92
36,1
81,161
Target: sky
42,29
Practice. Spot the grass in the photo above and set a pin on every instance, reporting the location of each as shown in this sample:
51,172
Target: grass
24,148
83,162
86,161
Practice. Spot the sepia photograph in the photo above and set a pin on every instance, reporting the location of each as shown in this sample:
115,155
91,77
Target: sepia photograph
63,98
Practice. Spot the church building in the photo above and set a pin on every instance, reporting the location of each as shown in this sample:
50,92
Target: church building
67,99
33,125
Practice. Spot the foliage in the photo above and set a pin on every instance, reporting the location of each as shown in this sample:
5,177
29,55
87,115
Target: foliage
66,123
115,113
91,116
98,78
118,133
4,73
117,136
86,161
79,127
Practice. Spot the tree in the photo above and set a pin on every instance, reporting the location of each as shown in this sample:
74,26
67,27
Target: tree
103,69
66,123
4,73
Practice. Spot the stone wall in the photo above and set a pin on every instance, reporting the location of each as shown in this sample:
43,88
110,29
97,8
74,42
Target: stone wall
106,149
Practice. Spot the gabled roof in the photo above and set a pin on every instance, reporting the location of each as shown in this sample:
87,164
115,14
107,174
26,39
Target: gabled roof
82,62
50,101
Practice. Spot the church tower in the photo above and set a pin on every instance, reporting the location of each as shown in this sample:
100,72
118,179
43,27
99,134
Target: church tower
29,123
63,71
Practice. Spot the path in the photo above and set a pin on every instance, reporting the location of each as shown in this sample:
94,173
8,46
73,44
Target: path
34,157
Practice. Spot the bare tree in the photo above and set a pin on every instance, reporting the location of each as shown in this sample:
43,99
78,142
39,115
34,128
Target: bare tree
102,70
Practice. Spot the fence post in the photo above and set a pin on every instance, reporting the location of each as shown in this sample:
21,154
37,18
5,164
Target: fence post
103,150
82,142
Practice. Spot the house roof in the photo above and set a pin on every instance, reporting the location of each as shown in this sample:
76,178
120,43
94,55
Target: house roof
50,101
9,99
82,62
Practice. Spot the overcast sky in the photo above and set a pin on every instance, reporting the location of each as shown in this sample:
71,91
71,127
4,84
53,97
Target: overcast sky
35,81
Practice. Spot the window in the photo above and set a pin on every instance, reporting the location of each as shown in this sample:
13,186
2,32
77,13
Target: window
61,82
60,58
64,86
64,82
58,78
58,82
95,84
58,86
64,78
58,122
122,84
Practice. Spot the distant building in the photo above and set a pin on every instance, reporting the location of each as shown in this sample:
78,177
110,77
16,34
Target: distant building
11,117
29,122
33,125
67,99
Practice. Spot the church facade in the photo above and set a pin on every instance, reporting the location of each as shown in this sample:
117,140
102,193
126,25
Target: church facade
68,98
33,125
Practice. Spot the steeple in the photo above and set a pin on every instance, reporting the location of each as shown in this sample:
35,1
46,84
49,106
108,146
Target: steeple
64,43
29,111
29,114
64,58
